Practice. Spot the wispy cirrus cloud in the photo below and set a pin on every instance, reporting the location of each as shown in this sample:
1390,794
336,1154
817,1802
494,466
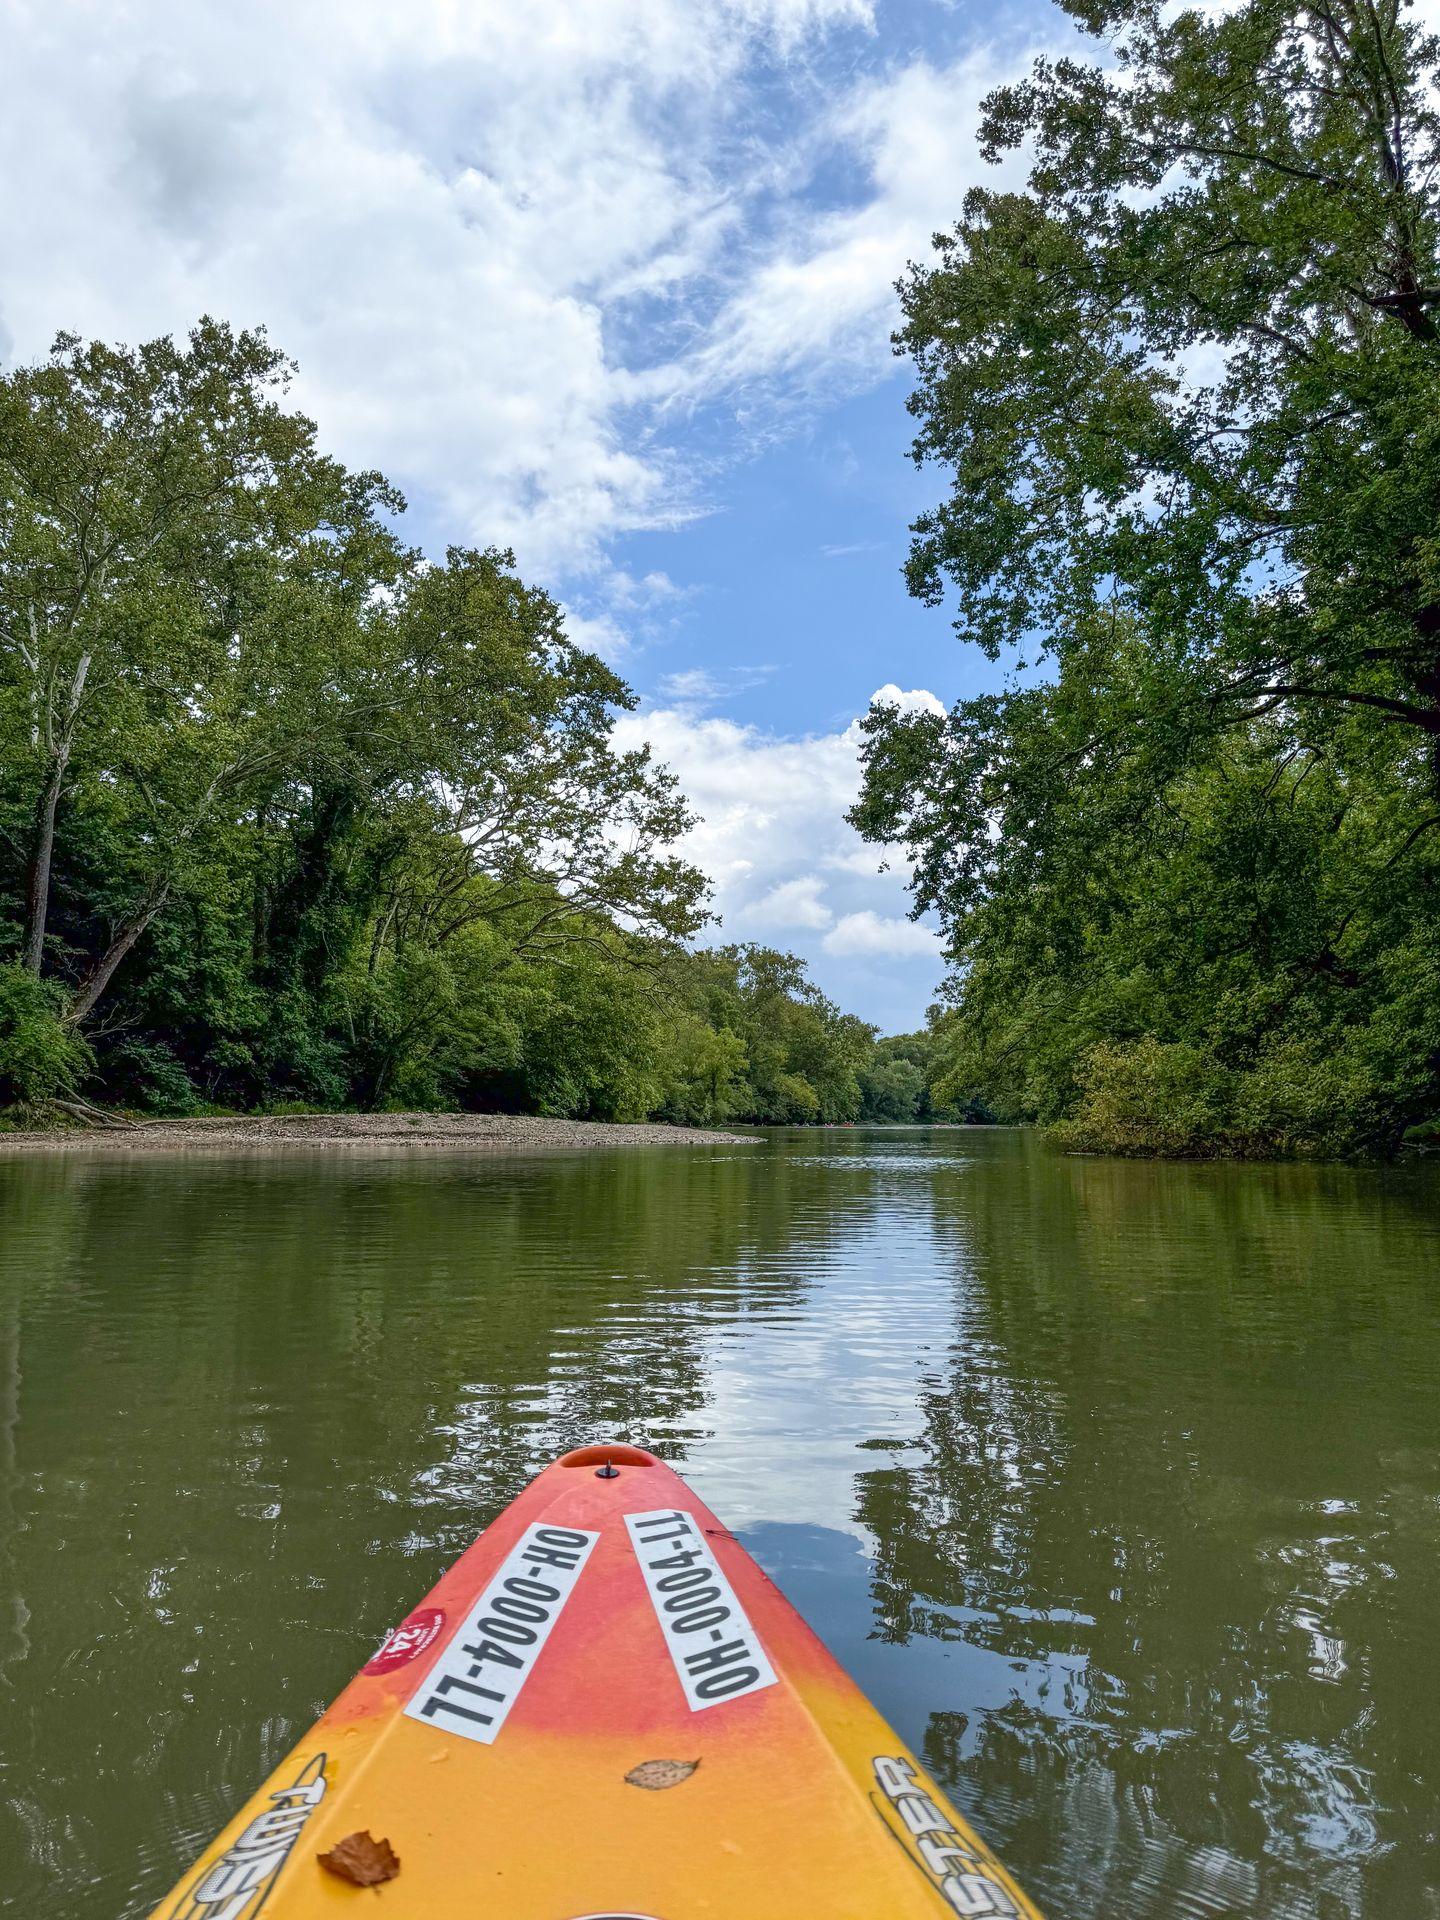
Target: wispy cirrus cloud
818,303
504,243
444,212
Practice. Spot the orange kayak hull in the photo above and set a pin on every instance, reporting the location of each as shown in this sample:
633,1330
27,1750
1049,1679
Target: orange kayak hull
603,1710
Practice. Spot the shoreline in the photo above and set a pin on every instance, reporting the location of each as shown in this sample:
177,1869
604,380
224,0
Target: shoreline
489,1132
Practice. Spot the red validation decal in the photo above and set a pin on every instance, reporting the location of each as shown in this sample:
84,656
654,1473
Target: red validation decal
415,1633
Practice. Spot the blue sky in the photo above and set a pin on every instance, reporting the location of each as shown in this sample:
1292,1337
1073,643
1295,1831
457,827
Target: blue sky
606,281
792,584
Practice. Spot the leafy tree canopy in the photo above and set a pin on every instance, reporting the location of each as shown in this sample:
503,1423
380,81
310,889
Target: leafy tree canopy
1186,387
1191,373
289,813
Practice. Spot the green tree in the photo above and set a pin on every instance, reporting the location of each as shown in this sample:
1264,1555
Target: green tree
503,773
707,1068
40,1059
1264,934
891,1090
1186,388
180,573
1192,373
231,699
290,813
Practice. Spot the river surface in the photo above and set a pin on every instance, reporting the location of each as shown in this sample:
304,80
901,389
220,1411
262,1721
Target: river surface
1117,1485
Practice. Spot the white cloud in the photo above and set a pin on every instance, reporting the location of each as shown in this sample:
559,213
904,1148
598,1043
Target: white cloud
772,807
870,932
916,700
650,590
823,301
787,867
599,633
438,209
449,213
510,246
794,903
693,687
864,860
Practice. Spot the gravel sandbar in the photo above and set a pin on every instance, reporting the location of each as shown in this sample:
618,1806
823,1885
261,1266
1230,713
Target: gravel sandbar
278,1131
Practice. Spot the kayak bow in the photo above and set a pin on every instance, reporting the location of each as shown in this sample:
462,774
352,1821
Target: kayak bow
604,1711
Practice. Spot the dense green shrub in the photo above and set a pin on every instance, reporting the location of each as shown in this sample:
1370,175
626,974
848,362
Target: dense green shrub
40,1057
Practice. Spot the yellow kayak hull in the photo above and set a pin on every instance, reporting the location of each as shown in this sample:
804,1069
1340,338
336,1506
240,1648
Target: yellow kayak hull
603,1711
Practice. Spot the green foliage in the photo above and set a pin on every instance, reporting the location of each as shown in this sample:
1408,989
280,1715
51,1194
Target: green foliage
1192,372
904,1081
1186,386
40,1058
758,1042
1249,963
145,1073
291,818
706,1072
219,665
892,1090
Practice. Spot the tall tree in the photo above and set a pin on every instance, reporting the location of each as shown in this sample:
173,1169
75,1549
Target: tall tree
1186,386
204,621
499,756
1192,374
179,569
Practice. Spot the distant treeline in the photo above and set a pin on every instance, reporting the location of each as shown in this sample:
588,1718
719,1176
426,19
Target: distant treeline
1184,392
290,816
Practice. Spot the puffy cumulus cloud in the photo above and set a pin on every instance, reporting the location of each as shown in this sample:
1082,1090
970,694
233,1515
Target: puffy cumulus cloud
870,932
915,700
771,807
788,869
440,210
794,903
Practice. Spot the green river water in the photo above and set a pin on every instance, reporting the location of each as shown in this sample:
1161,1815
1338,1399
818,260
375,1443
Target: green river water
1116,1485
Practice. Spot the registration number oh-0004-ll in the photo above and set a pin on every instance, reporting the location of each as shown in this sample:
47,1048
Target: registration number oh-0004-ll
716,1651
477,1679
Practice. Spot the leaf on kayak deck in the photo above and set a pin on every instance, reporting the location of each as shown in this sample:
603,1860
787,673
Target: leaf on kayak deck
656,1774
361,1860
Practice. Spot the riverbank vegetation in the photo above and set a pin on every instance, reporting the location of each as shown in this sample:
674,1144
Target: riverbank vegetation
291,817
1186,389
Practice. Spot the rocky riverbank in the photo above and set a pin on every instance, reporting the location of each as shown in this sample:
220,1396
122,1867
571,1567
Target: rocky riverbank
492,1131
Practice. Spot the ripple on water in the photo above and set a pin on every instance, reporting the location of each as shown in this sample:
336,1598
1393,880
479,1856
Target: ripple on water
1116,1485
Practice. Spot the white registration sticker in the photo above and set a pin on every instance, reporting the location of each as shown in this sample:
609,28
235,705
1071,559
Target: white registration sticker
713,1645
478,1677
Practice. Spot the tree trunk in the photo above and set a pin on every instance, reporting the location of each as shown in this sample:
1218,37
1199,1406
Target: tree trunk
42,850
101,974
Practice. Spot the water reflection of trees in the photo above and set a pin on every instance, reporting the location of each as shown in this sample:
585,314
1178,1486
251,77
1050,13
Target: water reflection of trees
1180,1467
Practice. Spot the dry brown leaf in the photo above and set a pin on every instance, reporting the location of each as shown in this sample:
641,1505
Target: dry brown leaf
361,1860
656,1774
